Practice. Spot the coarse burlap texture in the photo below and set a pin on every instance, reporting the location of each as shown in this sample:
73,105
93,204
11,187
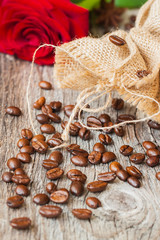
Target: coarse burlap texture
88,61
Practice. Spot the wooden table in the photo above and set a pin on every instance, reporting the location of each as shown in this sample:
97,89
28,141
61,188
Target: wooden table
126,213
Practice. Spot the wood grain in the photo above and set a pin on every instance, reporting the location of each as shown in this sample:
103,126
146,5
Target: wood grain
126,213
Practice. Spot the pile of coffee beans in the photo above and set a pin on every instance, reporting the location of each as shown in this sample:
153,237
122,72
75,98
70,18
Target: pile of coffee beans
28,144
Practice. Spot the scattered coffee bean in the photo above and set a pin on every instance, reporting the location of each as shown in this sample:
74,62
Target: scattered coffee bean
84,133
148,145
125,117
82,213
27,149
128,26
38,137
40,146
115,166
49,164
15,201
20,223
68,110
133,18
45,85
134,182
107,176
54,141
41,199
24,157
76,188
22,190
39,103
47,128
137,158
7,177
54,117
96,186
51,187
134,172
50,211
142,73
93,122
13,163
109,124
78,125
56,156
158,175
122,174
73,131
95,157
22,142
76,175
42,118
80,152
117,103
108,157
152,161
104,118
93,202
21,179
27,134
60,196
154,125
126,150
46,109
79,161
153,152
99,147
19,171
54,173
56,106
116,40
119,131
105,139
13,111
72,147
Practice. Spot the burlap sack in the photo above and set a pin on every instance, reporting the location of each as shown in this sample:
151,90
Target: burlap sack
87,62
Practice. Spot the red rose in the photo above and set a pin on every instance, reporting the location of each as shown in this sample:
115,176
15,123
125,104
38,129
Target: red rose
26,24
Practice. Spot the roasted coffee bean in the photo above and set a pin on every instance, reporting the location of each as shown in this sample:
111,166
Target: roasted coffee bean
132,18
51,187
50,211
137,158
24,157
93,202
22,142
60,196
84,133
76,188
40,146
134,172
68,111
54,141
107,176
108,157
117,103
96,186
125,117
79,161
47,128
126,150
93,122
148,145
54,173
20,223
13,163
38,137
109,124
153,152
116,40
57,135
27,134
7,177
72,147
105,139
78,125
95,157
21,179
49,164
46,109
54,117
122,174
80,152
15,201
82,213
134,182
115,166
73,130
56,156
42,118
56,106
41,199
27,149
158,175
76,175
19,171
152,161
22,190
104,118
154,125
128,26
14,111
119,131
39,103
45,85
142,73
99,147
